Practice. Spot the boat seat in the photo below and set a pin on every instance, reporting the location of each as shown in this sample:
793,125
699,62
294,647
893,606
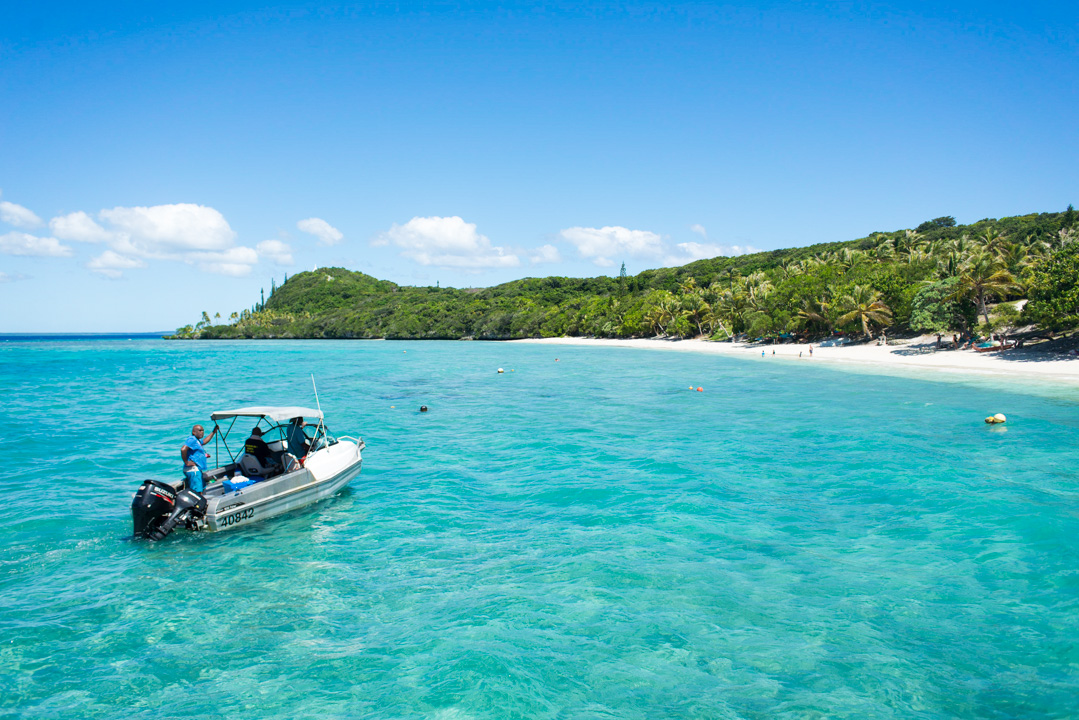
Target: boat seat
251,466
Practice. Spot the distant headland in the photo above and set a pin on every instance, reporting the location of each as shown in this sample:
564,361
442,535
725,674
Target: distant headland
1013,279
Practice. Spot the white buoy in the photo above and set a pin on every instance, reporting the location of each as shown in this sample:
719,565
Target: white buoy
501,370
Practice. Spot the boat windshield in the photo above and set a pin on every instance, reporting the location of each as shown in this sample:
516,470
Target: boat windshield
296,438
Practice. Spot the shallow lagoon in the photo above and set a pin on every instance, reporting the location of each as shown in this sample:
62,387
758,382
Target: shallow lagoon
586,538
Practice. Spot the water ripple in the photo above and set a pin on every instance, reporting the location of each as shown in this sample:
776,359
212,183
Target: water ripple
580,539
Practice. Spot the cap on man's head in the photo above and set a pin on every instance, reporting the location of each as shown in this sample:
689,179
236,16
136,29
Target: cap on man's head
256,430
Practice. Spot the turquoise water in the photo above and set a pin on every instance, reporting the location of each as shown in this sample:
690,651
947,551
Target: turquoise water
586,538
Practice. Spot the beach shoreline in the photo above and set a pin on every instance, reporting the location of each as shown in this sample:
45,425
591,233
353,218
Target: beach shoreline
918,355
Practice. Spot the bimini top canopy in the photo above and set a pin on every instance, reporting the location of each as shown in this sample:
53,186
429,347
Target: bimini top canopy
273,414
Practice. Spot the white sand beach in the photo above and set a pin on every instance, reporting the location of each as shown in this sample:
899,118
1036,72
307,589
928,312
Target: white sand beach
918,354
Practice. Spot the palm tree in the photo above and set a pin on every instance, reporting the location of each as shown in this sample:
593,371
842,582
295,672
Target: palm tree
916,254
864,304
912,239
1066,236
1019,259
661,313
756,288
730,305
951,254
991,240
814,312
787,271
884,252
912,247
847,258
984,276
962,244
730,274
698,312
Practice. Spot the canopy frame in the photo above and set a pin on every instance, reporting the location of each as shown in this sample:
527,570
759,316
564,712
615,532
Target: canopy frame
273,414
274,417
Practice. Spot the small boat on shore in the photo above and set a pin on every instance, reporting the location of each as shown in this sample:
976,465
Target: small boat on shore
247,489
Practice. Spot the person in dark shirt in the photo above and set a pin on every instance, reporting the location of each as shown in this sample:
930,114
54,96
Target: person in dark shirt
257,448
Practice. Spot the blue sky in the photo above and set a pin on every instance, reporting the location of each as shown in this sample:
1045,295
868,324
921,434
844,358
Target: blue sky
159,161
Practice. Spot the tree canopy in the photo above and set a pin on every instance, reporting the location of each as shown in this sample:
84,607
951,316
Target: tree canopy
936,278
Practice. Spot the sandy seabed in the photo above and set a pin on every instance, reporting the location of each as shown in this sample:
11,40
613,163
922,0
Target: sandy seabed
918,355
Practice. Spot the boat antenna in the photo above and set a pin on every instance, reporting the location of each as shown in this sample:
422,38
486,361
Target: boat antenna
317,404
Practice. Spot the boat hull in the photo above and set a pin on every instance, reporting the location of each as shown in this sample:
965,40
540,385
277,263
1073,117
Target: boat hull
326,474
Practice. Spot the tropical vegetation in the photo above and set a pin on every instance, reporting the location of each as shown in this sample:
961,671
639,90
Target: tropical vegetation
939,277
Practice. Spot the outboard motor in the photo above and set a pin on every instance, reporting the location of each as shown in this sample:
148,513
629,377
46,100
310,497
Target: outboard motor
157,509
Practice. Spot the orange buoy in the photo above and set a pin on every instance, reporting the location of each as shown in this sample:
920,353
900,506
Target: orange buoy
700,389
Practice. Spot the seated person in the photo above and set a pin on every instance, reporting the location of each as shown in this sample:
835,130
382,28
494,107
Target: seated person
297,439
257,459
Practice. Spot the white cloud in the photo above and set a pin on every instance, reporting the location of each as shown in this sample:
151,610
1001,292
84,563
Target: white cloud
447,242
235,262
80,227
545,254
5,278
327,234
17,215
601,245
275,250
604,245
193,234
182,232
164,229
699,251
19,243
112,265
690,251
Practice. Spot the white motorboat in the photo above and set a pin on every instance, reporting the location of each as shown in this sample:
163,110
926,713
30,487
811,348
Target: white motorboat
248,489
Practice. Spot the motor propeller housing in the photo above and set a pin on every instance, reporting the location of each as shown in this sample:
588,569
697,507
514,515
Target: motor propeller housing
157,509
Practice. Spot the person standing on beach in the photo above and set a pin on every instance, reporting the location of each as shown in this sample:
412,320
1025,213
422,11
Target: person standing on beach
810,351
194,456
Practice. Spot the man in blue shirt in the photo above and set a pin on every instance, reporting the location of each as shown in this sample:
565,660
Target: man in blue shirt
194,456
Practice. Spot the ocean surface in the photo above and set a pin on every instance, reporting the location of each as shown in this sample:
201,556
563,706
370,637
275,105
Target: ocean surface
582,536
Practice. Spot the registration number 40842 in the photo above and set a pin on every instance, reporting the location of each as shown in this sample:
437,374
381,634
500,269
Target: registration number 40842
238,516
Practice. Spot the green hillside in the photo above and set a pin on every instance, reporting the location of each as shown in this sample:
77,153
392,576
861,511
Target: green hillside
938,277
